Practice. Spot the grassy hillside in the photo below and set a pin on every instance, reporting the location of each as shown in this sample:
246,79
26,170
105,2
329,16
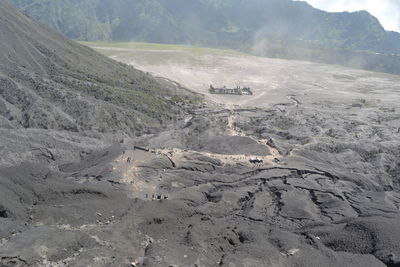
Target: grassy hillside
229,23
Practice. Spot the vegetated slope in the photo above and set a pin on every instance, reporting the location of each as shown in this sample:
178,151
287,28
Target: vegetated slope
284,28
50,82
212,22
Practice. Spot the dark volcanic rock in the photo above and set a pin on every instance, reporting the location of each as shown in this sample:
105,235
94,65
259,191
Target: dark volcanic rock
43,244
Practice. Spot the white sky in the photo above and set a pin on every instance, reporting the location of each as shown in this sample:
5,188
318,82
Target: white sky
387,11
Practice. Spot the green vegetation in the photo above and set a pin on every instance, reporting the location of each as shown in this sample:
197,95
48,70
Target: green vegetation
154,54
276,28
196,50
227,23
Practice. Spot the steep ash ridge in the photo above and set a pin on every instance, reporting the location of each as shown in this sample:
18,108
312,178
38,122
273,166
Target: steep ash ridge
50,82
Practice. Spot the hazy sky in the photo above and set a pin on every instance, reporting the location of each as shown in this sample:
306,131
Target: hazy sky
387,11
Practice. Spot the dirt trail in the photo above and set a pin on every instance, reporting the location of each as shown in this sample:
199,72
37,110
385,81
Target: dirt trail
234,131
130,164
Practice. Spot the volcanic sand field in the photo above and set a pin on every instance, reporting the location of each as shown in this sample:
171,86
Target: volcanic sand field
272,80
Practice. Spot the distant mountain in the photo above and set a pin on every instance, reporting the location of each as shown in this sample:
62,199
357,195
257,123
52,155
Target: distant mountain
50,82
228,23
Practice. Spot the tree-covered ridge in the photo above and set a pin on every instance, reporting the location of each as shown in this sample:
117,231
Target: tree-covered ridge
228,23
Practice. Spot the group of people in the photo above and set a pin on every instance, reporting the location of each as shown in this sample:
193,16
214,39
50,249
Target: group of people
157,197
